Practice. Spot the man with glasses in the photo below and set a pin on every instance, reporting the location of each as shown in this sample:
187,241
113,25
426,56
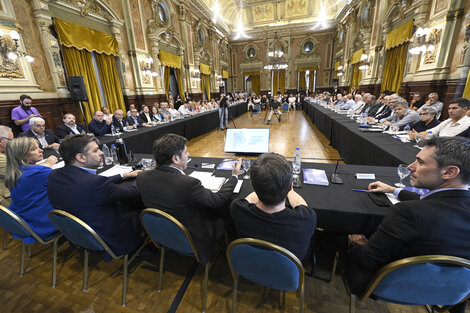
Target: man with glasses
5,136
428,121
433,101
69,127
45,137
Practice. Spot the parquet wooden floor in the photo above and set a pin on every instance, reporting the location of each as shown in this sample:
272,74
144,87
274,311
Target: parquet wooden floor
33,293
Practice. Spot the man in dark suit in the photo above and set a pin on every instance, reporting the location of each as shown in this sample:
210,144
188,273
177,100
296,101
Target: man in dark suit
98,125
134,120
45,137
169,189
69,127
438,222
119,122
97,200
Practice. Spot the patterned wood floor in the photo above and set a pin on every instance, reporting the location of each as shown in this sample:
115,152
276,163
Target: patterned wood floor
33,292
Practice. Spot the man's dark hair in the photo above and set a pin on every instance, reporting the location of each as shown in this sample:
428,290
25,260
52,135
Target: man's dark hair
22,97
462,102
271,178
452,151
166,147
74,144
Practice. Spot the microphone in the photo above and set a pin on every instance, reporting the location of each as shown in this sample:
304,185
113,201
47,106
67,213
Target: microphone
335,178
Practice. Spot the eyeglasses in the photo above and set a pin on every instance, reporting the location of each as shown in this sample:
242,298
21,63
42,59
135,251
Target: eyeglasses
423,113
6,138
37,125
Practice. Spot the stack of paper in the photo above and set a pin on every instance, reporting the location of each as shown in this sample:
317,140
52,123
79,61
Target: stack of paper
116,169
315,177
208,181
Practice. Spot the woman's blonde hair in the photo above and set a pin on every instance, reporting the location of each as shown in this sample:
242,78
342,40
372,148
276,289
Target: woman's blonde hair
17,151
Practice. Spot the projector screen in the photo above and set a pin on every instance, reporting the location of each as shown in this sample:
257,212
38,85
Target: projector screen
247,140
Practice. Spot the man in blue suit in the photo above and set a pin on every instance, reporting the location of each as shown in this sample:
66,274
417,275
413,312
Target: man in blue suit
97,200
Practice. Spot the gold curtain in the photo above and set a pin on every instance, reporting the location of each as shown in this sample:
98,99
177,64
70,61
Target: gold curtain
275,76
255,84
356,56
80,37
310,82
166,80
282,81
79,63
205,69
394,69
179,79
110,81
206,85
399,35
169,59
466,92
302,80
356,75
224,74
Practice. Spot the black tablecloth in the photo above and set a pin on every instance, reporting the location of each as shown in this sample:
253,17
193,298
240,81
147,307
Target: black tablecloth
355,146
141,141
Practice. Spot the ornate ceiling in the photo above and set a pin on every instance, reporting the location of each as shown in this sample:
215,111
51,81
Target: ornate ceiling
248,18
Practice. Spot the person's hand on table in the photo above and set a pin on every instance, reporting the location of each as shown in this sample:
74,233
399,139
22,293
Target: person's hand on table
50,161
378,186
412,134
357,239
236,166
387,123
132,174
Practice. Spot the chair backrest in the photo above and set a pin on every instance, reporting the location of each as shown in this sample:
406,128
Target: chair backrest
421,280
15,225
167,231
266,264
285,106
78,232
257,108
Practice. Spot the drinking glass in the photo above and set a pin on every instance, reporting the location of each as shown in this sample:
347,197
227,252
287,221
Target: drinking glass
403,172
395,128
146,164
246,163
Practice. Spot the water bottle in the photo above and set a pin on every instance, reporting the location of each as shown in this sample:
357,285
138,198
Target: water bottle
296,161
429,135
407,128
113,130
108,159
127,125
114,155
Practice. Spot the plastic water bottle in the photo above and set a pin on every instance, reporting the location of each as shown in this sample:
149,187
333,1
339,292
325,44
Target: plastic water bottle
108,158
127,125
297,161
429,135
114,155
407,128
113,130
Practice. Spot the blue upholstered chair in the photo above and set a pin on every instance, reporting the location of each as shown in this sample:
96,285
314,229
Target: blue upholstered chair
266,264
83,236
256,111
285,109
433,280
167,232
15,225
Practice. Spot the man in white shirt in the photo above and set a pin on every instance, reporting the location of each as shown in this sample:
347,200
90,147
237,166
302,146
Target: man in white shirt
183,109
291,102
349,103
358,103
433,101
457,122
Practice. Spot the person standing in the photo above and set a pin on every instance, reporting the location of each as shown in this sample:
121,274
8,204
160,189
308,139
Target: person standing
22,113
223,111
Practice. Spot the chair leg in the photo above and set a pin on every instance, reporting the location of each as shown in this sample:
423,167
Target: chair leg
352,304
85,270
23,248
204,287
333,269
301,299
234,295
124,280
162,260
54,262
29,250
4,243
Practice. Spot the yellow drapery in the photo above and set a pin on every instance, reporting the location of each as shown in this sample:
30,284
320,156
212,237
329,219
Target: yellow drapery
169,59
224,74
206,85
466,92
204,69
356,76
394,69
302,80
310,82
399,35
179,79
255,83
311,69
250,73
275,76
166,80
110,82
80,37
79,63
279,81
356,56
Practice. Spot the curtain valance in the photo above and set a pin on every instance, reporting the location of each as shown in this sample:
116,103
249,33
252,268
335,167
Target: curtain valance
399,35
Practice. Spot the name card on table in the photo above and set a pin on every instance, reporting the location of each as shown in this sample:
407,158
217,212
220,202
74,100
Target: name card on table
365,176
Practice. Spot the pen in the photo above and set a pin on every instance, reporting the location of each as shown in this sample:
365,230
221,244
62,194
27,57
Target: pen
193,167
362,190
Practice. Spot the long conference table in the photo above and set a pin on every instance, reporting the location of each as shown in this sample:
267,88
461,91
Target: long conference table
356,146
141,141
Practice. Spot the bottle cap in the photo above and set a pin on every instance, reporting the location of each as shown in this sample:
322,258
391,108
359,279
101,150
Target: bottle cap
298,148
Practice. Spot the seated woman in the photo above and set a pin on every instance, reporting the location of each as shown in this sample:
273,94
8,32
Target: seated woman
155,115
28,185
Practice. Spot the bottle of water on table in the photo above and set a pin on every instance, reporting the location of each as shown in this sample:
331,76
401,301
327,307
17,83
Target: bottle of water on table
108,158
296,161
114,155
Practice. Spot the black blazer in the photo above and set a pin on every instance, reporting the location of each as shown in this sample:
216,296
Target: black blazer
144,118
118,125
98,201
184,197
63,130
465,133
131,121
49,135
437,224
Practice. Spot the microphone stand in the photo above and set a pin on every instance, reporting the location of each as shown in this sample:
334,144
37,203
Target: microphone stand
335,178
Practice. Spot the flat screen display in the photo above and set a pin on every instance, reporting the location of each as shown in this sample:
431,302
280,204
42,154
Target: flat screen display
247,140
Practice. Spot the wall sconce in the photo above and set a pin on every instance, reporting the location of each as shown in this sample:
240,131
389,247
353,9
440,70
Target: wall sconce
421,44
9,47
146,67
195,75
340,71
364,63
219,80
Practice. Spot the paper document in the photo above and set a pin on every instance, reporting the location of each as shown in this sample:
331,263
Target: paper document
208,181
208,165
226,164
315,177
116,169
58,165
238,186
392,198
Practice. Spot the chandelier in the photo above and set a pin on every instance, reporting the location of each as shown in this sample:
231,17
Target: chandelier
9,47
276,61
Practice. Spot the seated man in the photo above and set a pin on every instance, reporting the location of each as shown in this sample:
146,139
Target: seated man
46,138
349,104
134,120
263,214
402,116
433,101
69,127
428,121
95,199
100,126
417,101
169,189
119,122
291,101
437,222
275,104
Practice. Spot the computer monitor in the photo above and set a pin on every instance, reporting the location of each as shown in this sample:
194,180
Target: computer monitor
247,140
